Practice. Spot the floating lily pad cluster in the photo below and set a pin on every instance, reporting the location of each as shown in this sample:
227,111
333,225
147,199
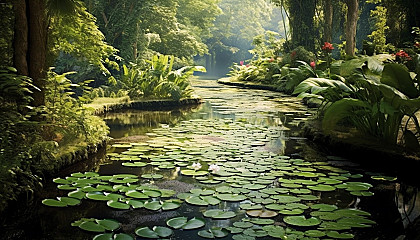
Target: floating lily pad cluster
120,191
105,227
271,189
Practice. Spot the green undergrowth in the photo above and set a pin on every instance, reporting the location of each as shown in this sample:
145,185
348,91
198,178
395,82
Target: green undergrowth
34,139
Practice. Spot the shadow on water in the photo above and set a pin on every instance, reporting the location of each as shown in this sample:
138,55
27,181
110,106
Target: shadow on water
394,205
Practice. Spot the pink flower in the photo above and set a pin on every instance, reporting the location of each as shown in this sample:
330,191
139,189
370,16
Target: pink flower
313,64
328,47
247,65
241,63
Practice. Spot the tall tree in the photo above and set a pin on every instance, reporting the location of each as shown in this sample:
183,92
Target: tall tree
30,43
328,20
302,14
351,26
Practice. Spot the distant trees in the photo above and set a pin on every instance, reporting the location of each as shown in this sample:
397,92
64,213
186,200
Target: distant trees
139,29
234,29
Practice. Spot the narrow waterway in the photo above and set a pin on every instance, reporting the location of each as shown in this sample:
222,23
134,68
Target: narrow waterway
240,155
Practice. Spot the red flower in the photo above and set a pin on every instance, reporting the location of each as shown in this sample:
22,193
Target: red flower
271,60
403,55
293,54
241,63
313,64
247,65
328,47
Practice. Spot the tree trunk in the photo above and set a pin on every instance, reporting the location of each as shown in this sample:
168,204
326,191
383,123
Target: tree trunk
207,56
213,63
20,41
351,25
302,14
37,48
328,18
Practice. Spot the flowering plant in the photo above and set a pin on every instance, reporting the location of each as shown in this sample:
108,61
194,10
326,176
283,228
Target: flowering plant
214,168
313,64
402,57
196,166
328,47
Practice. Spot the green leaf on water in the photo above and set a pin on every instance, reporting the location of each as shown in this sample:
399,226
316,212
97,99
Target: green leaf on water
54,203
301,221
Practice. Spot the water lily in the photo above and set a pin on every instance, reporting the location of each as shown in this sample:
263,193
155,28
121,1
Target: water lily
196,166
214,168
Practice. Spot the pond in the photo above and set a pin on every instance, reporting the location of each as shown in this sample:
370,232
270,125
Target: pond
235,167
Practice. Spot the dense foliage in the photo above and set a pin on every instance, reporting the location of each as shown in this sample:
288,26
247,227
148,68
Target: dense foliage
378,95
157,79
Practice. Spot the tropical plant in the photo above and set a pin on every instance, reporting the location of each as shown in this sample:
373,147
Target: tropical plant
157,79
374,97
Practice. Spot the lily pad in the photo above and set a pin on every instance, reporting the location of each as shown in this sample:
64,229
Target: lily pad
261,213
92,227
202,192
322,188
154,205
104,236
109,224
54,203
98,196
262,221
123,236
136,203
302,221
155,232
219,214
314,233
248,206
189,172
243,224
324,207
230,197
215,232
170,205
202,200
184,223
118,205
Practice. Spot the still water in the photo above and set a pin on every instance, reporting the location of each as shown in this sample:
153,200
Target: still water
254,137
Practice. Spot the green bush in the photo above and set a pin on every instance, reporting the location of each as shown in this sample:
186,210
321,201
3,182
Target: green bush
157,79
29,147
374,97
